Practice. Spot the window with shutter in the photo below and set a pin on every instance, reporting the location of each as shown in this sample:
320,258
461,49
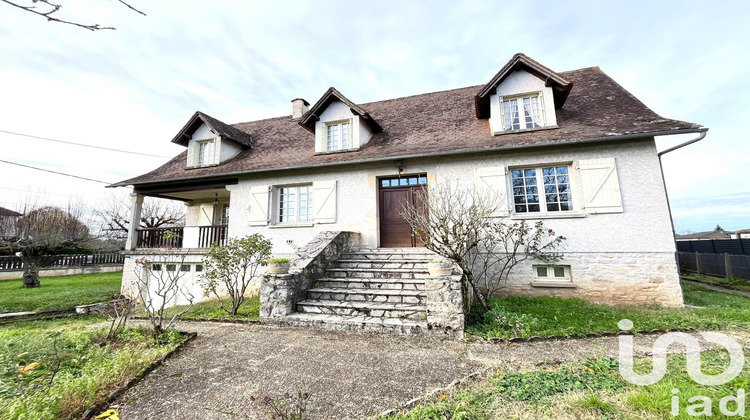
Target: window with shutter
258,206
600,185
490,182
324,201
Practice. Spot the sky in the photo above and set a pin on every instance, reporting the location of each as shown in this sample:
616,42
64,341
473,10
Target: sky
135,87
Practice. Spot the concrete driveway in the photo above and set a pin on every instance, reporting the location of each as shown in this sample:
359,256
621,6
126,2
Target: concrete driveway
347,375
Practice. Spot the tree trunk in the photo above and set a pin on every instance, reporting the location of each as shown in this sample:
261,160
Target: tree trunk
31,271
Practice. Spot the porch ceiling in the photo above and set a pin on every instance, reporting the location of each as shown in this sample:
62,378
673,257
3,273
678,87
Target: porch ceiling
189,191
198,195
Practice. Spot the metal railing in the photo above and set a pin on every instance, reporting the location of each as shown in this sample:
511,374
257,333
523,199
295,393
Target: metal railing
720,265
212,235
170,237
11,262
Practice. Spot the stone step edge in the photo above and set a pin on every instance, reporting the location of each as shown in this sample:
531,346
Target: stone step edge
359,319
372,280
389,261
379,292
375,306
377,270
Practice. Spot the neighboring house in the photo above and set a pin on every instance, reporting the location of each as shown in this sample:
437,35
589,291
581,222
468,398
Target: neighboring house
708,235
574,149
741,234
8,219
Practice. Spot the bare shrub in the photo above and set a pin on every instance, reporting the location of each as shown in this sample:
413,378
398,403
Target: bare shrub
458,224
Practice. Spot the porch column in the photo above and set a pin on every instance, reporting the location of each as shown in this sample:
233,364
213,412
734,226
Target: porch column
135,221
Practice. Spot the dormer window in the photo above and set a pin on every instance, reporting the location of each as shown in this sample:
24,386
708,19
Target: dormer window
205,153
522,113
338,136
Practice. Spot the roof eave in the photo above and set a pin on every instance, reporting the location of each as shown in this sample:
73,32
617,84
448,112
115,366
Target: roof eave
591,140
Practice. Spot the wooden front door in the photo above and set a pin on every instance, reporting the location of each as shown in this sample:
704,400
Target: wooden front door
395,231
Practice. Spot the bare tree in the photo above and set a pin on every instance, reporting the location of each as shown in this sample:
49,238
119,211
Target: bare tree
113,214
44,231
231,268
160,284
48,10
457,224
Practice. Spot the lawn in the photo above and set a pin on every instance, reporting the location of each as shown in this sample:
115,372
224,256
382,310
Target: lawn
592,389
211,309
56,369
548,316
61,293
729,283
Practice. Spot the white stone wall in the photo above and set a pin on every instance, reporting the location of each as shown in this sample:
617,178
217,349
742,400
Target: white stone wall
625,257
518,83
190,282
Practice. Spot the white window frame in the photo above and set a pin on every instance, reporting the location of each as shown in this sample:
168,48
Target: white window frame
338,146
553,273
522,114
541,191
280,216
224,215
208,157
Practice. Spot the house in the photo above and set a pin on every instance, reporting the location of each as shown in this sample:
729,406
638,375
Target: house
707,235
573,148
8,220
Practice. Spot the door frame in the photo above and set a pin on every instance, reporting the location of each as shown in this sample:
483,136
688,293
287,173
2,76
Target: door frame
407,181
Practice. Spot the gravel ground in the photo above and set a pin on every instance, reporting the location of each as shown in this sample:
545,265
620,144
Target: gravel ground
347,375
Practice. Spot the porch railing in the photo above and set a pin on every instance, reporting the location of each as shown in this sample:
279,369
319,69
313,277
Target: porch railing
170,237
210,235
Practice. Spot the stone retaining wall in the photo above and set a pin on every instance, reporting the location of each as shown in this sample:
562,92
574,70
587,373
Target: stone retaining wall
63,271
445,305
279,294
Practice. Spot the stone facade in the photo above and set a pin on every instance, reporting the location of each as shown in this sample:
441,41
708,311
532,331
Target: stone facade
612,278
445,305
280,293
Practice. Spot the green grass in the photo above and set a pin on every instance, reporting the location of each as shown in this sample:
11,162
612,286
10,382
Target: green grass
548,316
64,292
32,386
592,389
730,283
211,309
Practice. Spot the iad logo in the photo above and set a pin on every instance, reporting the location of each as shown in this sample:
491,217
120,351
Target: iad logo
693,365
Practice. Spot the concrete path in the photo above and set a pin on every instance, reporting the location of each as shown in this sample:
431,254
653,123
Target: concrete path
347,375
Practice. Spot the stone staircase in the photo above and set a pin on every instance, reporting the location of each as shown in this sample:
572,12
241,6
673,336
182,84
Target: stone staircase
379,290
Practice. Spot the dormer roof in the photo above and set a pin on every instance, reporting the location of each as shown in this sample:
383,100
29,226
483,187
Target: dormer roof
308,120
560,85
221,129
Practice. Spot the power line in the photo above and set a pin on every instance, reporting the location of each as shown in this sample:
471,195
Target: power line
54,172
84,145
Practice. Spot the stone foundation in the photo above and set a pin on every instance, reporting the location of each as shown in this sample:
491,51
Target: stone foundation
612,278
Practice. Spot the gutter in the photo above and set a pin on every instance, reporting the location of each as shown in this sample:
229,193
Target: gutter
701,135
437,154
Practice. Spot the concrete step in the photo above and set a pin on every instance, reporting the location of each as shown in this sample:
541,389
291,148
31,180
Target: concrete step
378,273
373,283
368,295
375,263
368,309
356,323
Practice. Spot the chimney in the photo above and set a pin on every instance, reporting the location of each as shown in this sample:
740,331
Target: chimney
299,107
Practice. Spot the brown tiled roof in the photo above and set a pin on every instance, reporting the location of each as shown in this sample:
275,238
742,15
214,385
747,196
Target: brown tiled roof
224,130
439,123
9,213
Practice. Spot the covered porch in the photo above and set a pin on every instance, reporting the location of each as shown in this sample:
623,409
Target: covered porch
206,221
